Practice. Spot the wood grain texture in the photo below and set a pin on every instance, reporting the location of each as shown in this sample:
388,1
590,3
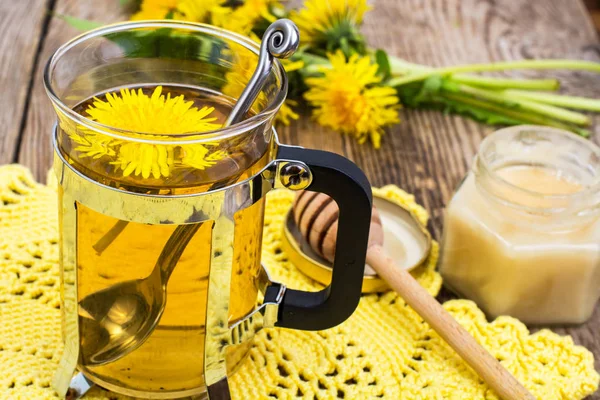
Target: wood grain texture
427,154
593,7
21,24
35,150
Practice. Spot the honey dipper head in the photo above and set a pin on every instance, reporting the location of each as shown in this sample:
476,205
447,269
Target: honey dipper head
316,216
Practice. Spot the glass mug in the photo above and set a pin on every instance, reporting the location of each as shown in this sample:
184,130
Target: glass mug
161,233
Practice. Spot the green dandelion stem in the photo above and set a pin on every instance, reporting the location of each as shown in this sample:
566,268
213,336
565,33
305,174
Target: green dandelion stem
580,103
400,67
498,66
522,104
313,64
515,114
505,83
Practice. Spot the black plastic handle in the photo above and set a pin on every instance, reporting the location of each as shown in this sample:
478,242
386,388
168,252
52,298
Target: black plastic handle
342,180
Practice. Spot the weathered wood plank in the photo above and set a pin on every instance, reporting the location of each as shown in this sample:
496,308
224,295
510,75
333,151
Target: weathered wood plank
429,153
35,150
21,25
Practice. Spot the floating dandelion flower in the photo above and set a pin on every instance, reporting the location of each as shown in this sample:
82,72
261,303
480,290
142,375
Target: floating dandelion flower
151,115
136,111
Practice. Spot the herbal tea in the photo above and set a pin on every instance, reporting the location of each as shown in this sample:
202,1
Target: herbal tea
111,251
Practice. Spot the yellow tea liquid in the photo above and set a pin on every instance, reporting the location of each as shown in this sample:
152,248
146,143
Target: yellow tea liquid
110,251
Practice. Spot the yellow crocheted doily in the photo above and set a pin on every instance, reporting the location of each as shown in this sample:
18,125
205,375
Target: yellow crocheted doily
383,351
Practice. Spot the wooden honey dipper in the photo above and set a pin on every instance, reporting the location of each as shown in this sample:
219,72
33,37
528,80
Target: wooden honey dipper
316,216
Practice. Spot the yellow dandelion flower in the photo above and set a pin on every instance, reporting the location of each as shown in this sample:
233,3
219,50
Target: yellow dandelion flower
237,79
199,157
136,111
145,159
242,68
92,144
291,65
286,113
256,9
348,99
329,24
155,9
243,19
198,10
234,21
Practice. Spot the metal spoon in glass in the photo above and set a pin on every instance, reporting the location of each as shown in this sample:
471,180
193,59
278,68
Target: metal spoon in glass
117,320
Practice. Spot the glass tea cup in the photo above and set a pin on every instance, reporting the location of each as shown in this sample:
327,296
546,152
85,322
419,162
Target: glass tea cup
161,226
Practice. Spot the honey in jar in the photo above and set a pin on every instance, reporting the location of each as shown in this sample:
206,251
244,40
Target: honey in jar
522,233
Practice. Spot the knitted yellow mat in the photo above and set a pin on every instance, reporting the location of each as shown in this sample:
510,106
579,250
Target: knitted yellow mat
383,351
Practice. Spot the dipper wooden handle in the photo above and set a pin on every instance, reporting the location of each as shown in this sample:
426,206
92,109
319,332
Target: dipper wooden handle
316,215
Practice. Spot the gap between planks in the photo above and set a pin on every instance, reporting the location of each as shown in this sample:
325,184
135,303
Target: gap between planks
50,4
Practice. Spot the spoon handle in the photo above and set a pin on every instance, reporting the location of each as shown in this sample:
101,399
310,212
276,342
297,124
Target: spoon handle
281,40
78,387
174,248
488,368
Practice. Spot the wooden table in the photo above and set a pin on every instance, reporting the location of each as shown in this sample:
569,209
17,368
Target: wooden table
427,154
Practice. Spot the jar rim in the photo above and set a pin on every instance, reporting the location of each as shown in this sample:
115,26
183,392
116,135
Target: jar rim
166,138
585,192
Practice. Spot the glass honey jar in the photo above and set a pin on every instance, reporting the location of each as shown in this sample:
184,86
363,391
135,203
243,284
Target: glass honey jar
522,232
